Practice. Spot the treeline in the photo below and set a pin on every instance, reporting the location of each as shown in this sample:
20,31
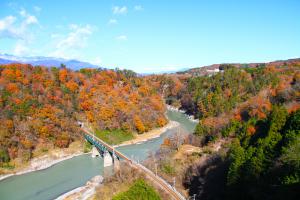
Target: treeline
266,163
40,107
272,86
212,95
257,110
263,163
261,118
208,96
234,93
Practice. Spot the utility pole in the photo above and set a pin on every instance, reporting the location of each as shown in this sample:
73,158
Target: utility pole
174,182
113,153
93,136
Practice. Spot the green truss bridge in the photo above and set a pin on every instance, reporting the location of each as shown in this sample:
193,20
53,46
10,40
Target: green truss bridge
109,152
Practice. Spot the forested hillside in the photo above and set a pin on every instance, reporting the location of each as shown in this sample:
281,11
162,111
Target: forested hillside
40,107
232,94
254,112
265,163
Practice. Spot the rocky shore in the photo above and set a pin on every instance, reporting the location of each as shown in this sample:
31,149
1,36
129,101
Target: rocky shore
52,158
84,192
190,117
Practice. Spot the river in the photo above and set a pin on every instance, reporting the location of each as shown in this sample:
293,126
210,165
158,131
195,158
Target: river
69,174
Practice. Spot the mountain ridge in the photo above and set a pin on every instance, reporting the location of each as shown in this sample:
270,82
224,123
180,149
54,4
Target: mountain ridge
203,69
46,61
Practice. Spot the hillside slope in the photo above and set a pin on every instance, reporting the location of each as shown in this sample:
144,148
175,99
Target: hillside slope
252,116
40,107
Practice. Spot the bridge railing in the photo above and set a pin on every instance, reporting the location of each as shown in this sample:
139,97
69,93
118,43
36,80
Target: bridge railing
107,146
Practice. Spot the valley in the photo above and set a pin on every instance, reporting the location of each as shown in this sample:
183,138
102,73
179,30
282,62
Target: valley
240,114
149,100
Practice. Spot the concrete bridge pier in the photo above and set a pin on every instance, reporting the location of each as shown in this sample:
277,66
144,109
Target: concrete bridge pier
108,162
116,163
95,152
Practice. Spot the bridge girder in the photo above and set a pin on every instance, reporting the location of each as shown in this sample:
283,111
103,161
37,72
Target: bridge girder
101,148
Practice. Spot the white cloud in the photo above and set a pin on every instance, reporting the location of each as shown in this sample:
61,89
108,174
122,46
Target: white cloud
118,10
12,27
7,21
138,8
97,61
18,28
21,49
37,9
68,46
76,38
23,12
7,27
121,37
31,20
112,21
28,19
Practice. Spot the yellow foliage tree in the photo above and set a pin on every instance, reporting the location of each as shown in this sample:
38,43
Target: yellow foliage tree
139,124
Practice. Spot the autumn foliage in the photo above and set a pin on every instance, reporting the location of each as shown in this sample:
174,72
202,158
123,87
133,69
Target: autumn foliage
43,105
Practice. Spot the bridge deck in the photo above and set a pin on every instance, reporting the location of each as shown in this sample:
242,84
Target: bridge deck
107,146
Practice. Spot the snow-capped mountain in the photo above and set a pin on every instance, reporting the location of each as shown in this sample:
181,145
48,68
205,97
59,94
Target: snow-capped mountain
45,61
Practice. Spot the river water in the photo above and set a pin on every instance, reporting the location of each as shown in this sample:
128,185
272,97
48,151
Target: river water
69,174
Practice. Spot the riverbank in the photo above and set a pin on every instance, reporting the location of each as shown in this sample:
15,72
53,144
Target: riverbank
84,192
190,117
53,157
60,182
87,191
150,134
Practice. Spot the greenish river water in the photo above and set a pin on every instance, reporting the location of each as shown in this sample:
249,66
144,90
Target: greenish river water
69,174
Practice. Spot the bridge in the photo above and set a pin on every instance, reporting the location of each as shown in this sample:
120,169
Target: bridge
106,150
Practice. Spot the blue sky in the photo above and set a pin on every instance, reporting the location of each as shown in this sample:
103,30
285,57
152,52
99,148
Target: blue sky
152,35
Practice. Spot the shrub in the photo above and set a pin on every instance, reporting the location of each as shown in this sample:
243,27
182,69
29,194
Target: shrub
138,191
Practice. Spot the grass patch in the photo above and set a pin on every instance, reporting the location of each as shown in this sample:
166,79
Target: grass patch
87,147
207,150
138,191
197,154
168,169
7,166
114,136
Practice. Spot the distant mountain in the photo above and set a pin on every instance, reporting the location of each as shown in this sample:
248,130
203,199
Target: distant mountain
4,61
45,61
165,71
72,64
